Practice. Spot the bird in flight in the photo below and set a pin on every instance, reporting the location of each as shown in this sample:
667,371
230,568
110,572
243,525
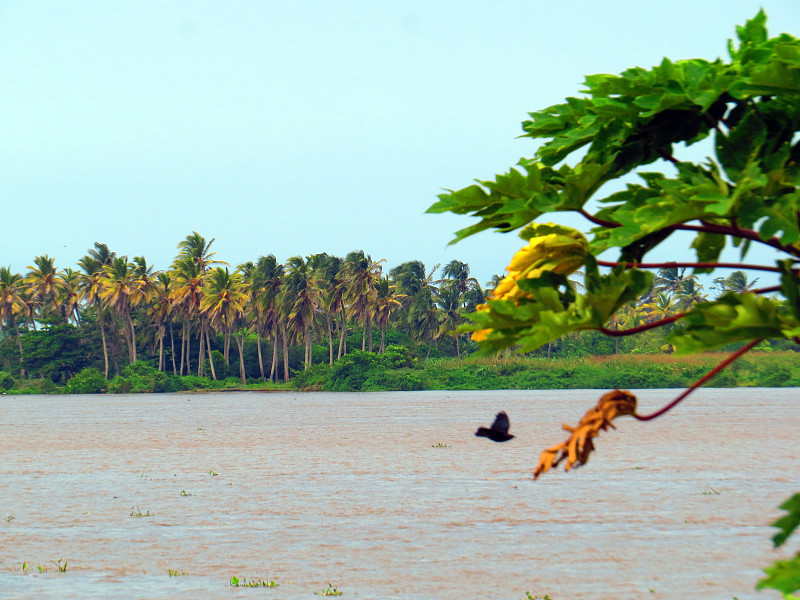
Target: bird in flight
498,432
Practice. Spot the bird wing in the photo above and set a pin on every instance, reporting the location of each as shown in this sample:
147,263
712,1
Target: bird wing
501,422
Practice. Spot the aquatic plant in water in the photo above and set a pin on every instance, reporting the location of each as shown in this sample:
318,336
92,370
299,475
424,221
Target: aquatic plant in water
253,583
329,591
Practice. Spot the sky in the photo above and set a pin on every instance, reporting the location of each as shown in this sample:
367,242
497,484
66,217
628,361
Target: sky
292,128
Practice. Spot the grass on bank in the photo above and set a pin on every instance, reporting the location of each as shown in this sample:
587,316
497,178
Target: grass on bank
399,370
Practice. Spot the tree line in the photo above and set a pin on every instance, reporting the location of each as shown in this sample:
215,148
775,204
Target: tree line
182,317
178,316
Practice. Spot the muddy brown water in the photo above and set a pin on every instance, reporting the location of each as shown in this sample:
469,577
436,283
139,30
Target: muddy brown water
347,489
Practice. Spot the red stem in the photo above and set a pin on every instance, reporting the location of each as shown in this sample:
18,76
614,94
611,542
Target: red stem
767,290
698,265
667,156
699,382
735,231
640,328
598,221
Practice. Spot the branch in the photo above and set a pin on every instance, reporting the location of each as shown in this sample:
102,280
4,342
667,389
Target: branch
667,156
696,265
767,290
699,382
736,231
598,221
640,328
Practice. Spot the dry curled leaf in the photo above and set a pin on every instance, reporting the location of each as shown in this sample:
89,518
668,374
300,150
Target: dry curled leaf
579,445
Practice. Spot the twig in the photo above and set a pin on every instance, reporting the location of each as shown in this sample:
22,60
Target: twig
640,328
747,234
667,156
697,265
699,382
597,220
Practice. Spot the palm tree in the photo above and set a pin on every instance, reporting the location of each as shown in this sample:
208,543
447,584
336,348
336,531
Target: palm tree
456,273
120,291
271,319
300,300
387,301
419,305
449,301
13,304
736,282
691,293
493,283
101,254
161,308
69,296
327,274
455,285
671,280
196,249
425,319
187,299
361,273
224,302
662,306
90,285
42,282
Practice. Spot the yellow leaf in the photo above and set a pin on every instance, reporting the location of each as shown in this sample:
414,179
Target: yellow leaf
577,448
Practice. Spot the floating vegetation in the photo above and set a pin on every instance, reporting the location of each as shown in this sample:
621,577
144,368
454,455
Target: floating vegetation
175,572
253,583
136,512
213,473
710,491
185,493
329,591
440,445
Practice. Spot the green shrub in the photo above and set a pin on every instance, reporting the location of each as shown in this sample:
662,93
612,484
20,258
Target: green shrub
312,378
221,369
6,380
120,385
398,357
401,380
193,382
88,381
351,371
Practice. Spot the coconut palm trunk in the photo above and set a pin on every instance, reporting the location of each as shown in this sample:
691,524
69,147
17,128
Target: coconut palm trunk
260,359
274,367
342,334
240,344
210,356
285,348
172,348
201,353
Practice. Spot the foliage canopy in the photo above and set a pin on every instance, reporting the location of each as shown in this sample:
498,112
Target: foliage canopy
746,193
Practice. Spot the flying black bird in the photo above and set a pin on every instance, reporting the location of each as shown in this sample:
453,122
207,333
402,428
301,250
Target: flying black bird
498,432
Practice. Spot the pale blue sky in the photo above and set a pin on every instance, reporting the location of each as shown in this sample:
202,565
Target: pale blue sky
298,127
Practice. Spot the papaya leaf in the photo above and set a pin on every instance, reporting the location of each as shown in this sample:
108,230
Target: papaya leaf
789,522
783,575
733,318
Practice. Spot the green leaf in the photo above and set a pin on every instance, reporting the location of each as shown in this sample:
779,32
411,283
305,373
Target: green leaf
783,575
733,318
742,144
708,246
787,523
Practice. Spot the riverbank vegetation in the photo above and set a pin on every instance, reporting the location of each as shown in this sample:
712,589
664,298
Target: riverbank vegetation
317,322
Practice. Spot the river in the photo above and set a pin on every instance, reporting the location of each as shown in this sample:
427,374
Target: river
390,495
